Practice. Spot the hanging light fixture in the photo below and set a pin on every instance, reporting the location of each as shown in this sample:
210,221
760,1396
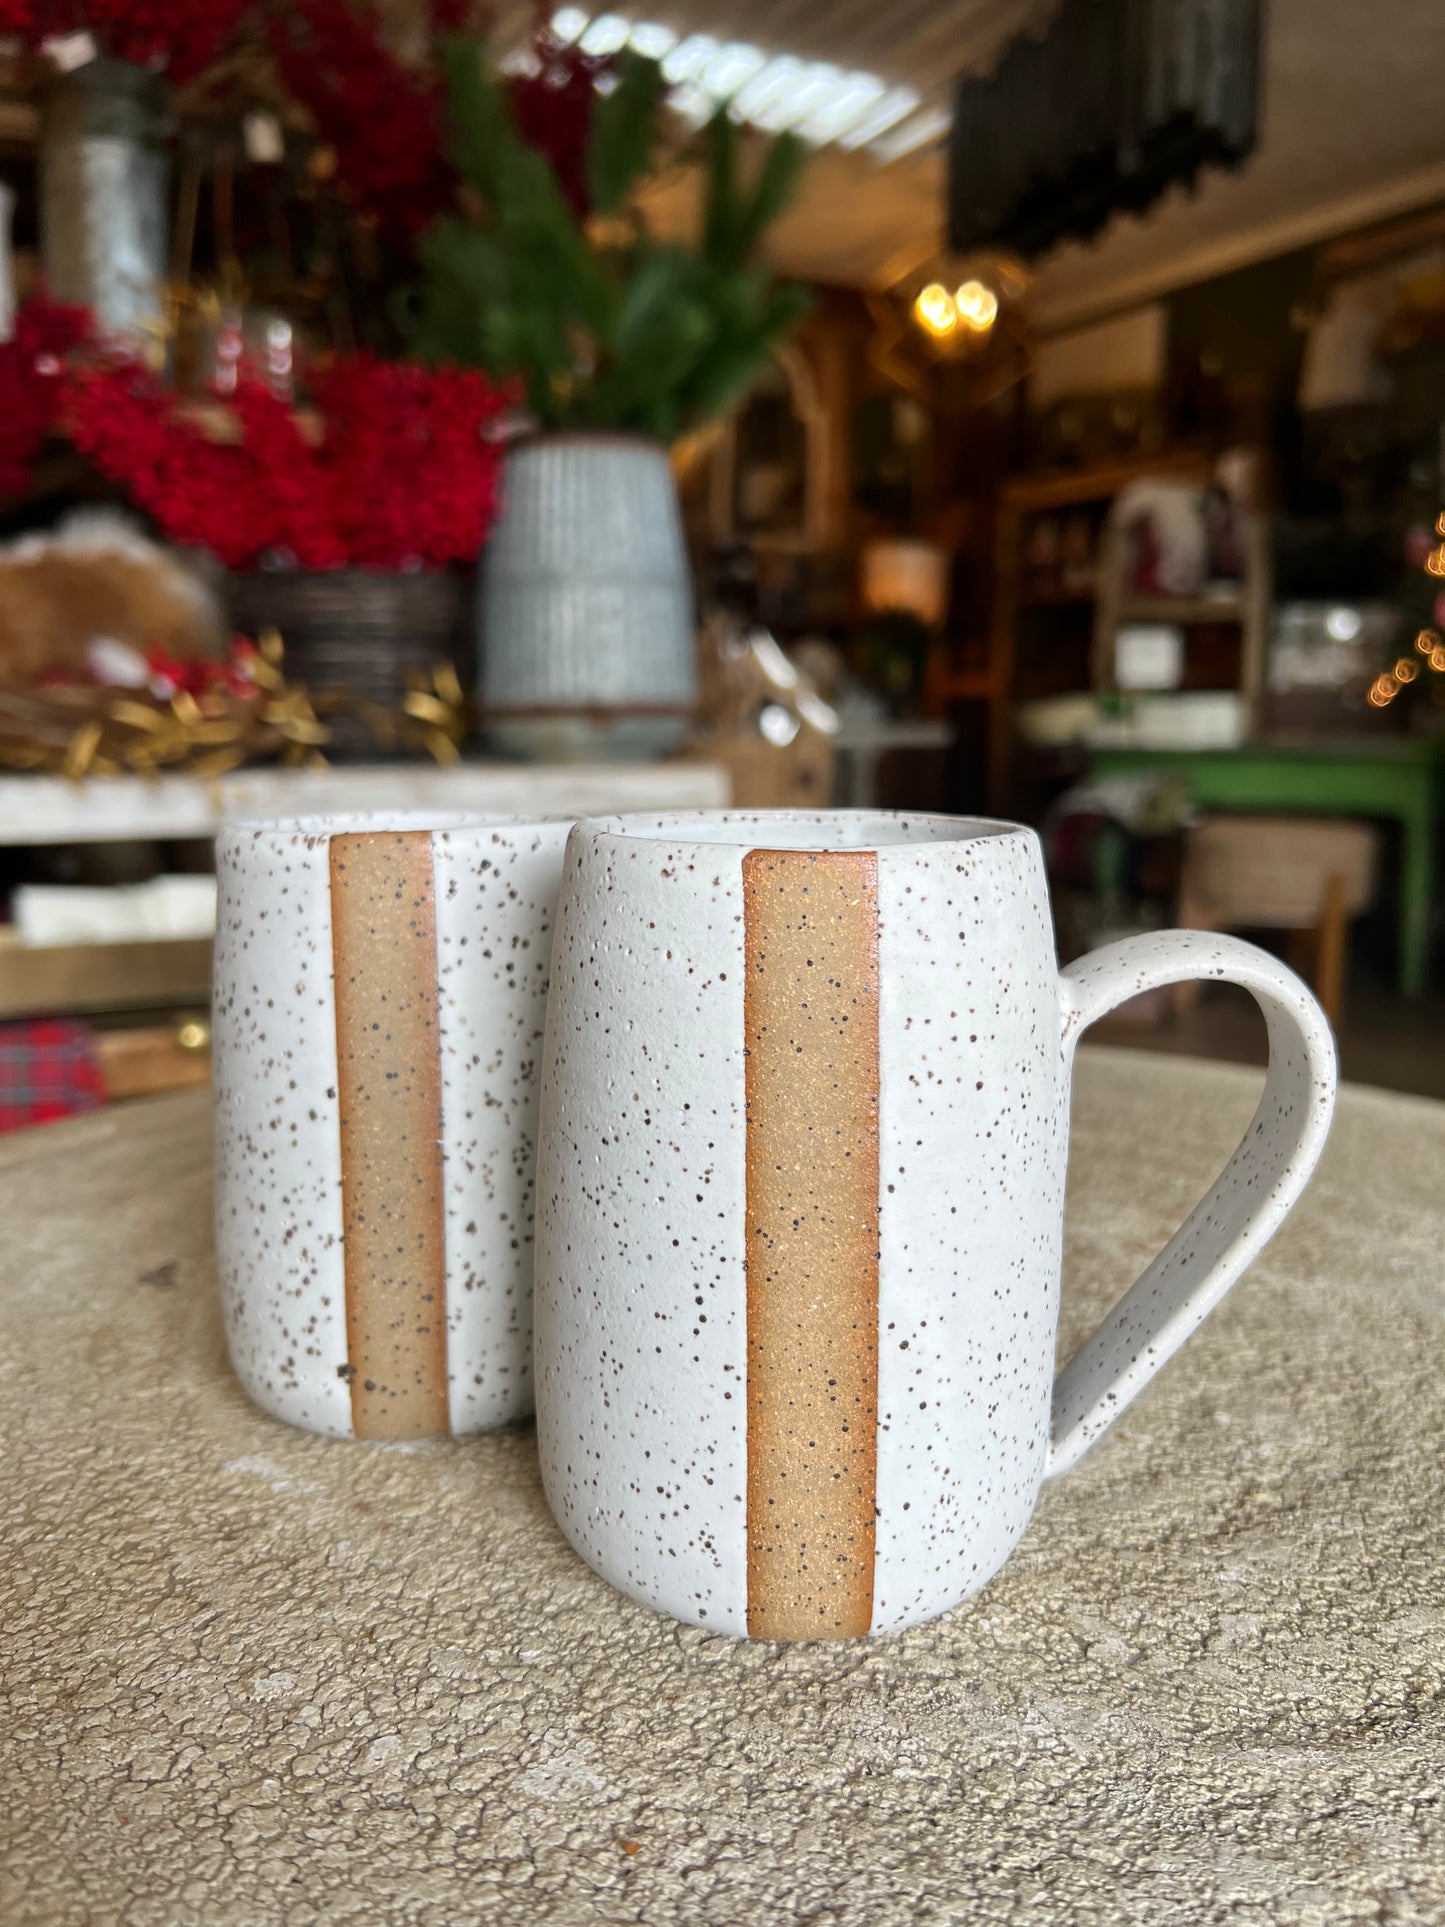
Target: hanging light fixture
973,305
955,302
930,307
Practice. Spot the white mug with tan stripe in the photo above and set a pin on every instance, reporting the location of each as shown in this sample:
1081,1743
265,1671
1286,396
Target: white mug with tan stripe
800,1207
379,1005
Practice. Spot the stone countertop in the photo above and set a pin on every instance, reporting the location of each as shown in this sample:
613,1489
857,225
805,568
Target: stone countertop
251,1676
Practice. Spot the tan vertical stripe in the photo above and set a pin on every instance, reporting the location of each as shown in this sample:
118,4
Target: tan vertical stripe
383,938
810,1019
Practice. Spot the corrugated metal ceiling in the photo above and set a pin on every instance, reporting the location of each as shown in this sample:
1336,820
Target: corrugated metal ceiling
856,72
1351,129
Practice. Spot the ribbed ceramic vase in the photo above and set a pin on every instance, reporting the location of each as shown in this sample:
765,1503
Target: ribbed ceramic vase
586,599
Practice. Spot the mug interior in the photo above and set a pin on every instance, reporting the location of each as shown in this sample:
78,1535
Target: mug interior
800,829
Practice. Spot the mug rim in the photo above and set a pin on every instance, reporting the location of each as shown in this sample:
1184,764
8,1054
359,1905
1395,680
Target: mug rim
282,831
912,829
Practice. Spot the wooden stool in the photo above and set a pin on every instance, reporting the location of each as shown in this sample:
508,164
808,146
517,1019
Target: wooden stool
1307,874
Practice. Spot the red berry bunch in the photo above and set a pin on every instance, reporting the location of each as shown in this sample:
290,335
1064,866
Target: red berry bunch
381,117
415,479
32,384
552,106
386,120
405,475
180,37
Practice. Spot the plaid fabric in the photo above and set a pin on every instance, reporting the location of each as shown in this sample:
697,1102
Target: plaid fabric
48,1070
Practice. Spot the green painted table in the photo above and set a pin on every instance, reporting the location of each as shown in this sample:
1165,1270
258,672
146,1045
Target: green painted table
1403,780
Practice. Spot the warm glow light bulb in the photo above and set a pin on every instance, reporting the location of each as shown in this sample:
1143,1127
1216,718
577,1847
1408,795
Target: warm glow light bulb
935,310
977,305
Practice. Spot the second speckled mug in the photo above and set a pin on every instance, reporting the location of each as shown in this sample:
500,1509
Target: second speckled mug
800,1205
380,997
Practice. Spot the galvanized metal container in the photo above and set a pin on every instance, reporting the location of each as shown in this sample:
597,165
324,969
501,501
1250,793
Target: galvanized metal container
7,264
586,598
103,191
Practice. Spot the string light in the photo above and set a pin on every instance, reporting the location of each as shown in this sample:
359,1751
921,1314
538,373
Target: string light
1428,640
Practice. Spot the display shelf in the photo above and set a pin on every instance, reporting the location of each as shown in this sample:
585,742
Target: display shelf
36,810
1182,609
175,974
1016,606
88,977
1058,599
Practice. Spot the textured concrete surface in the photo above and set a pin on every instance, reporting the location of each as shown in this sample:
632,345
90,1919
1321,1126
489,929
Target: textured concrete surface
251,1676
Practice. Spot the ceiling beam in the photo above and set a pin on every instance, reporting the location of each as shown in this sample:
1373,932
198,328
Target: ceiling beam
1238,250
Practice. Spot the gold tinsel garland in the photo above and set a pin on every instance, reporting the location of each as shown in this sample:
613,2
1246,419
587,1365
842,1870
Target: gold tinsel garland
79,730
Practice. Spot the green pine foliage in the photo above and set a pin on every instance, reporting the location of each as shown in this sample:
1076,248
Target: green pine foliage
639,335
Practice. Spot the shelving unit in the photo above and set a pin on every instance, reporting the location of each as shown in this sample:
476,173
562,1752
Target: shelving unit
1247,610
169,974
1058,641
1179,609
85,978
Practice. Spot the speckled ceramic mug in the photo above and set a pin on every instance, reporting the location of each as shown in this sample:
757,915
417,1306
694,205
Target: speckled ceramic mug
380,997
800,1207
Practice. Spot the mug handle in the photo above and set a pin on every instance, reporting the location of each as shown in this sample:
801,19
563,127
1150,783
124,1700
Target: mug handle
1247,1202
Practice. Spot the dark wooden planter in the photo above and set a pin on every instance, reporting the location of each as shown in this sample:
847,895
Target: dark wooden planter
364,633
